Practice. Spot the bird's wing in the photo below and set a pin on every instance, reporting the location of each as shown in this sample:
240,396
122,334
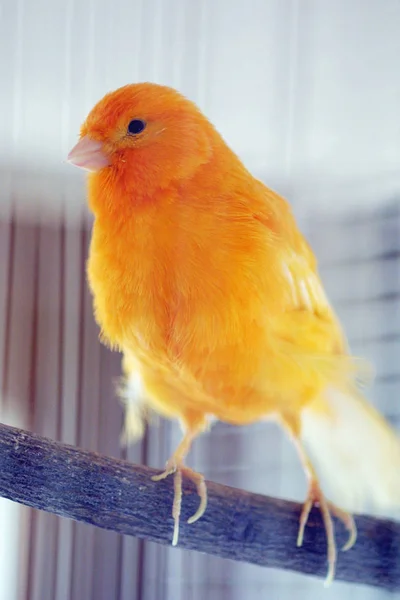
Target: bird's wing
308,326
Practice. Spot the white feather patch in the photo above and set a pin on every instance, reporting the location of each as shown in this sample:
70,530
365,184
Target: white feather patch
355,453
290,279
135,408
305,285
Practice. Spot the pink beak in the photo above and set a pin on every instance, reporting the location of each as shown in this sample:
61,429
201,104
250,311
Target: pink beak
88,154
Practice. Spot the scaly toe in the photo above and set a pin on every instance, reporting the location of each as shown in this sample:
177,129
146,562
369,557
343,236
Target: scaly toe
348,522
170,469
305,513
202,493
177,504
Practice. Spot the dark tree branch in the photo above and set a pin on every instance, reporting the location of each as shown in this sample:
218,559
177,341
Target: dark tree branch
116,495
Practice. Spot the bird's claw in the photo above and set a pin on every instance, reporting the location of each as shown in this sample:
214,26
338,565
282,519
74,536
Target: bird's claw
174,468
316,497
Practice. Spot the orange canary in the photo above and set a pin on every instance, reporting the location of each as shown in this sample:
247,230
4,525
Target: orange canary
201,278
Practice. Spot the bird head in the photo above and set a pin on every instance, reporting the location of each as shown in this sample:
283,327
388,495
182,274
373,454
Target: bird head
145,133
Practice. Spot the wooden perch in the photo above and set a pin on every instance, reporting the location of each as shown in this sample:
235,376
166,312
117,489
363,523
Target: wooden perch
117,495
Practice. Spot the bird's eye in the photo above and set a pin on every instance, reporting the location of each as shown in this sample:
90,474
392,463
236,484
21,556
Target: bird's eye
136,126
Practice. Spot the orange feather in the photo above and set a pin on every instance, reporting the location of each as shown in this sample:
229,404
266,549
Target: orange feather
202,279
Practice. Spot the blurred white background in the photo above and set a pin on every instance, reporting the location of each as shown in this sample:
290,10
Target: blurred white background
307,92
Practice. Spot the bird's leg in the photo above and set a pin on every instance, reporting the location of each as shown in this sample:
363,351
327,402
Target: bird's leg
175,466
315,496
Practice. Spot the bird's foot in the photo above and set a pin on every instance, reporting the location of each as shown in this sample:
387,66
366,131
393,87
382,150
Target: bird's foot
177,469
316,497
